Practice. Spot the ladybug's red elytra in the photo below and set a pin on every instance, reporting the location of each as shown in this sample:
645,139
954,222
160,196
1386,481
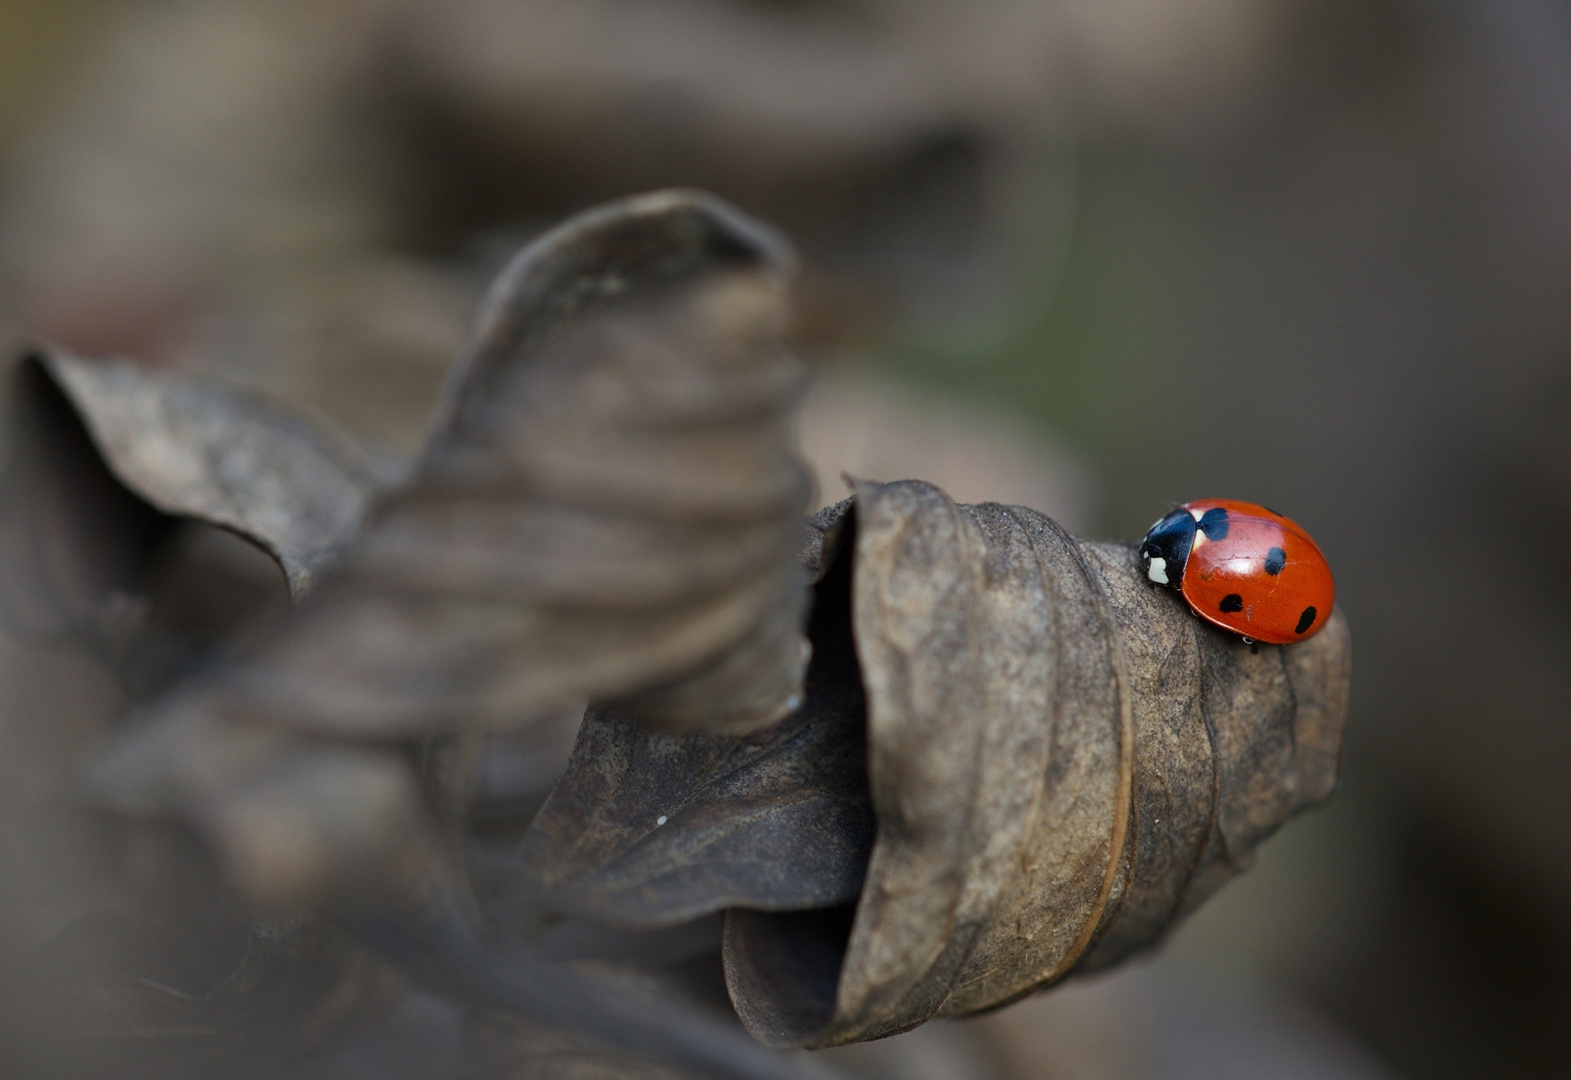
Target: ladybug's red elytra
1243,568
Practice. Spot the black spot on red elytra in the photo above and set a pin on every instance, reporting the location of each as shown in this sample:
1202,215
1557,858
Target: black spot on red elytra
1233,602
1305,621
1276,558
1214,523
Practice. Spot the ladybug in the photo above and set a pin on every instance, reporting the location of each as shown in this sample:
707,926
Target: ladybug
1243,568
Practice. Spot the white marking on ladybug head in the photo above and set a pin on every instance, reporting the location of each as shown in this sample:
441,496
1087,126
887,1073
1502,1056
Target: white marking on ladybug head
1196,514
1157,571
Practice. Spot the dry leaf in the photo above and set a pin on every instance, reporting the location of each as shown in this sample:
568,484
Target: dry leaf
1063,761
645,825
609,509
178,448
1052,761
286,482
139,512
648,829
71,535
124,500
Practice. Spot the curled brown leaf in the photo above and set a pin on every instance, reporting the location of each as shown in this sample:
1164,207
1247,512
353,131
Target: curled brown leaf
1010,760
609,509
133,449
649,829
1063,763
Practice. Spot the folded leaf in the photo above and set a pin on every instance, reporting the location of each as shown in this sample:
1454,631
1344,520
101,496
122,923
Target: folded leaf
71,534
648,829
609,509
1062,760
105,453
1010,760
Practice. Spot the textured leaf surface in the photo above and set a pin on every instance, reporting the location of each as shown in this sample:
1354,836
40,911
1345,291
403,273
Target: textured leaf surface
1063,762
192,449
1009,759
182,448
649,829
609,509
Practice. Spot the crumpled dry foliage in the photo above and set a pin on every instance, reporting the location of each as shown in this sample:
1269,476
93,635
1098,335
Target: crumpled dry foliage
111,473
104,453
1004,759
1063,763
293,487
608,509
649,830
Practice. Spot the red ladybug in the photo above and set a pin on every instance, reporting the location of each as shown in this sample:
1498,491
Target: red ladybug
1243,568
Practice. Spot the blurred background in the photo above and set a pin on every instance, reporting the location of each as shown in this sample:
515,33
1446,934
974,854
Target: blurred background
1094,256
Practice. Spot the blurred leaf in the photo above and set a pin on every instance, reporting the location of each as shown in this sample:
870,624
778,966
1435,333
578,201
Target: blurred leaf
1059,760
110,469
71,534
609,509
489,974
176,447
285,481
648,829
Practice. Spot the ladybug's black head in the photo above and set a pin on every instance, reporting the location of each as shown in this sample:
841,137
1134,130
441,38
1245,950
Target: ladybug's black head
1165,549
